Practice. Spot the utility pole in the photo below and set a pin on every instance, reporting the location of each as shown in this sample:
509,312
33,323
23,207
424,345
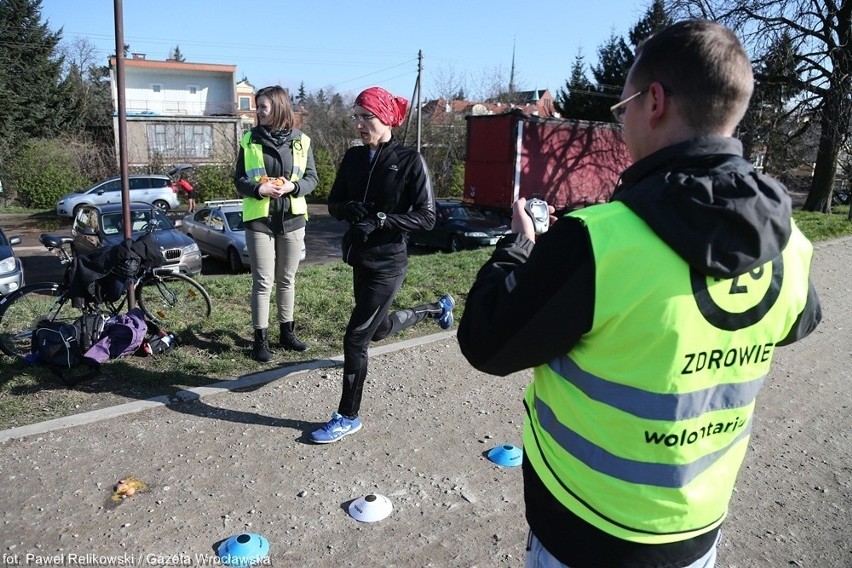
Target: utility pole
419,114
122,132
415,102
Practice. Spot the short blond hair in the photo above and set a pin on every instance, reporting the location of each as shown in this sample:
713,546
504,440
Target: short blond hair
704,66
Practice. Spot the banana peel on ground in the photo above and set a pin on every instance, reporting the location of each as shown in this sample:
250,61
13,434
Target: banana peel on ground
128,487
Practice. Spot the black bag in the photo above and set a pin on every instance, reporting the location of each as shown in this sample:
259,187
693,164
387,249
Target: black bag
90,328
157,341
57,344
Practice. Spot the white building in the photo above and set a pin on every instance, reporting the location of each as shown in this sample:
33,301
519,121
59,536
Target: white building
178,111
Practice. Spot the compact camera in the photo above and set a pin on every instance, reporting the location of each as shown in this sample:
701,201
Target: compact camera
537,210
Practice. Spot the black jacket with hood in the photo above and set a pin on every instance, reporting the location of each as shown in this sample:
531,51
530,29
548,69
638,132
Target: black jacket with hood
396,182
703,200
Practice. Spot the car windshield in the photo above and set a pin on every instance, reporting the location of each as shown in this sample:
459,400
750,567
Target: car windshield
235,220
459,212
3,241
113,223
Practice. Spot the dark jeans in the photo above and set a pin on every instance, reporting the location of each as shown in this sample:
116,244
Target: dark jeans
374,294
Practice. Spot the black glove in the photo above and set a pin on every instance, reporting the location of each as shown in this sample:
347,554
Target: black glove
355,211
360,231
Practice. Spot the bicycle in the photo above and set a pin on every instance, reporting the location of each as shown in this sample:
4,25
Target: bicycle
173,301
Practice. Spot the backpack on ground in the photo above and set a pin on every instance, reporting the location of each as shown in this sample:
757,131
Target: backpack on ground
57,344
91,328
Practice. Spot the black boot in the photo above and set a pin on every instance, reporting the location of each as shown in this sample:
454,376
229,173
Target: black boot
289,339
260,349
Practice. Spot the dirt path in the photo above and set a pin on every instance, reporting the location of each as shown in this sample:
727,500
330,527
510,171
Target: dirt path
239,462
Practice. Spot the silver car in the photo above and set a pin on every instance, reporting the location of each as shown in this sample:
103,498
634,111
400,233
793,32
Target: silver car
217,227
146,188
96,226
11,269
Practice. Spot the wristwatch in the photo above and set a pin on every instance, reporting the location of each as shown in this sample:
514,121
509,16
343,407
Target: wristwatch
382,218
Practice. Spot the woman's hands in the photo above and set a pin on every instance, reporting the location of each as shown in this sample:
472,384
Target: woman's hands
275,187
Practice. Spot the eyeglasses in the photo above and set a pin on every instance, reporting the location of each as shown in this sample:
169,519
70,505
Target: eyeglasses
362,118
619,108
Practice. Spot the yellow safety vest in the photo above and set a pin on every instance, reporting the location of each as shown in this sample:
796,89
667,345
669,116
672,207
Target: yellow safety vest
254,208
641,428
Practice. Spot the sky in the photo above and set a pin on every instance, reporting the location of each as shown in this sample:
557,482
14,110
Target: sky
349,46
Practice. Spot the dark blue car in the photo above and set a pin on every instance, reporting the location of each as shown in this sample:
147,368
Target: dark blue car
459,226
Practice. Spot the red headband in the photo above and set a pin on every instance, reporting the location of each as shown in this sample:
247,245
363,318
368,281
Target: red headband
387,108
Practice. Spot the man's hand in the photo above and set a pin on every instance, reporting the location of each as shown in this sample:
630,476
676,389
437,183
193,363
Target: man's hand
522,223
360,231
355,211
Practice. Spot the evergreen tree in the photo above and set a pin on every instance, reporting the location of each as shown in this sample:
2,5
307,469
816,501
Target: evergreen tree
575,100
302,94
177,55
29,75
614,61
654,20
766,127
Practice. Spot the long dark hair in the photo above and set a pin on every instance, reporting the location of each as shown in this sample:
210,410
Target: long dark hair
282,111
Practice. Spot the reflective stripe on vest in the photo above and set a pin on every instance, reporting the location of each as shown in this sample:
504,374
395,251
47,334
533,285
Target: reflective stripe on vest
641,428
254,208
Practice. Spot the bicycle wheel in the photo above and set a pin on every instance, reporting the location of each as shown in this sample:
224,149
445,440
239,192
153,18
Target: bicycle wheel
21,310
173,301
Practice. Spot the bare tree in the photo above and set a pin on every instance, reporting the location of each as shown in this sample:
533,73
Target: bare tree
820,34
448,83
491,84
78,52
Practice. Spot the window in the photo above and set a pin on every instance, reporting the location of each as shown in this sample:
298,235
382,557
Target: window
139,183
156,87
109,186
216,222
181,140
193,89
245,103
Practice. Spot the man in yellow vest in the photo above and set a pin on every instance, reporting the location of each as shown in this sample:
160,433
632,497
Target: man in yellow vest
650,321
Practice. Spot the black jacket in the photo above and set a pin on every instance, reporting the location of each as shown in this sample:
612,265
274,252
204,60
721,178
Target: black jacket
396,183
529,304
278,162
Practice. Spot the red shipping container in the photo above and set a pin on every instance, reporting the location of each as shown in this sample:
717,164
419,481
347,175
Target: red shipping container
568,163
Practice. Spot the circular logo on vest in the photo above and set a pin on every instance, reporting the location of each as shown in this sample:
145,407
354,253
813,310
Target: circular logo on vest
735,303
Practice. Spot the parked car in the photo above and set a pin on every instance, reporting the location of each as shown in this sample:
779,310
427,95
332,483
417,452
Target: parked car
217,227
95,226
458,226
147,188
11,269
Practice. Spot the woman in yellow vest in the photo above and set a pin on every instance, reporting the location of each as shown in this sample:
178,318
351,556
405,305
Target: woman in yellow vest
274,172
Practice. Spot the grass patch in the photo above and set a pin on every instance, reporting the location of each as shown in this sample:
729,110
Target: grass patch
219,349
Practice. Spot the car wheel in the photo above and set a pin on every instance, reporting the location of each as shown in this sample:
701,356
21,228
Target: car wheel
455,244
77,210
235,262
161,205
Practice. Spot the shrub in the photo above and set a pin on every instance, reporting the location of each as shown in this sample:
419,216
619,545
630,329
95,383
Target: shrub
326,170
456,186
43,171
214,181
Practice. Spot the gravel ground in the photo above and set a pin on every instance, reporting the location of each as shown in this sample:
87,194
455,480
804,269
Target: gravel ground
239,462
